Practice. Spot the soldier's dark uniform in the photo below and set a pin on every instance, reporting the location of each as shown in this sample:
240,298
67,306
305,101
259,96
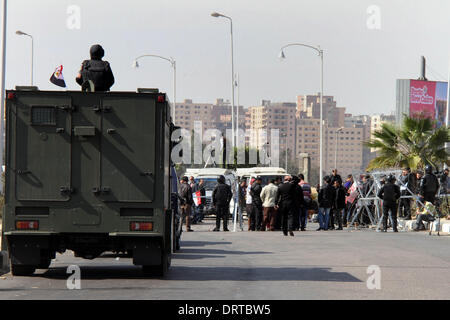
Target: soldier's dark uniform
257,214
299,202
408,181
286,201
221,198
390,193
429,185
96,70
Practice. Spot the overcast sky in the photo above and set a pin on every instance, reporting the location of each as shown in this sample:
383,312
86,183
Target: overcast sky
361,64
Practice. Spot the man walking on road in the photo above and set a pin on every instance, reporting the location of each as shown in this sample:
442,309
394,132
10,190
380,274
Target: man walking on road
389,193
185,194
286,202
255,192
221,198
268,197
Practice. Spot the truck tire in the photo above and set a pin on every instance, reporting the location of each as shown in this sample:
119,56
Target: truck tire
22,270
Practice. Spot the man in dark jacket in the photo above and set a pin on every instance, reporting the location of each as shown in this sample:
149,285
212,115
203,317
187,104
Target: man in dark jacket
286,202
221,198
96,70
339,203
407,181
307,201
257,212
187,201
299,202
335,176
429,185
389,193
326,197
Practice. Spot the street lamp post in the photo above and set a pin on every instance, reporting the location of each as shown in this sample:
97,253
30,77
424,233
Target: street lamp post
2,93
20,33
335,152
174,66
320,52
217,15
284,135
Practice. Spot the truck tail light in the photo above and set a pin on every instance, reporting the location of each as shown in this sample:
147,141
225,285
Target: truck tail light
27,225
11,95
141,226
161,98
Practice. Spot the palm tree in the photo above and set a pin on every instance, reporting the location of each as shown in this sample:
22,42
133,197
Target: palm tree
415,144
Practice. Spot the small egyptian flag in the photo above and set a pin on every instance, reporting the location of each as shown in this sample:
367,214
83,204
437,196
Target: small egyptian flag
57,77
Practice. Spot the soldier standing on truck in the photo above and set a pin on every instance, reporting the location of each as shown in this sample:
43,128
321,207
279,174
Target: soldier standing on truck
221,198
185,194
96,70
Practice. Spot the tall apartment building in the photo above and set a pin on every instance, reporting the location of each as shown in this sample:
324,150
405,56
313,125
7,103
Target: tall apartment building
343,149
212,116
308,106
307,140
269,116
376,122
187,112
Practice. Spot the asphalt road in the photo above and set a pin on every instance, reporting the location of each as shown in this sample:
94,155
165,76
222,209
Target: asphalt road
259,265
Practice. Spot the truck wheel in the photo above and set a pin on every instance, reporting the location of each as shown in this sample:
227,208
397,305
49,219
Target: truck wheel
177,246
22,270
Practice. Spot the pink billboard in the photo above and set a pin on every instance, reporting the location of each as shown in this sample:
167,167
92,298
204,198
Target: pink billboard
422,98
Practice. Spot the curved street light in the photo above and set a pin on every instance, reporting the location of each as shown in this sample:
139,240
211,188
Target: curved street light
320,53
21,33
217,15
174,66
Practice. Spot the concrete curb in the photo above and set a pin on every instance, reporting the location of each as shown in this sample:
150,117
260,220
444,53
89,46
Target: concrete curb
408,225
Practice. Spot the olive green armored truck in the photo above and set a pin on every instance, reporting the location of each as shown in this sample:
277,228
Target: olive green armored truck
91,173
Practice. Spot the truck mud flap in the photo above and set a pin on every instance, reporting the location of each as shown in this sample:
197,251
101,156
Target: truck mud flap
148,253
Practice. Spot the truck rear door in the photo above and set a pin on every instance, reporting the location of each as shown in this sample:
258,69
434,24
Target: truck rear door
43,131
128,149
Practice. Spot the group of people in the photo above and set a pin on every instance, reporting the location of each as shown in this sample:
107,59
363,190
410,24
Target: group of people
284,203
280,205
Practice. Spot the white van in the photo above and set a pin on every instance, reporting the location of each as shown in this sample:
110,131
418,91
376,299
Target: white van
210,176
266,173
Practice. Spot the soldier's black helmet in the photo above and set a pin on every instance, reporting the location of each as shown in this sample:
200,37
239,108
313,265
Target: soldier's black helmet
428,169
97,52
221,179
